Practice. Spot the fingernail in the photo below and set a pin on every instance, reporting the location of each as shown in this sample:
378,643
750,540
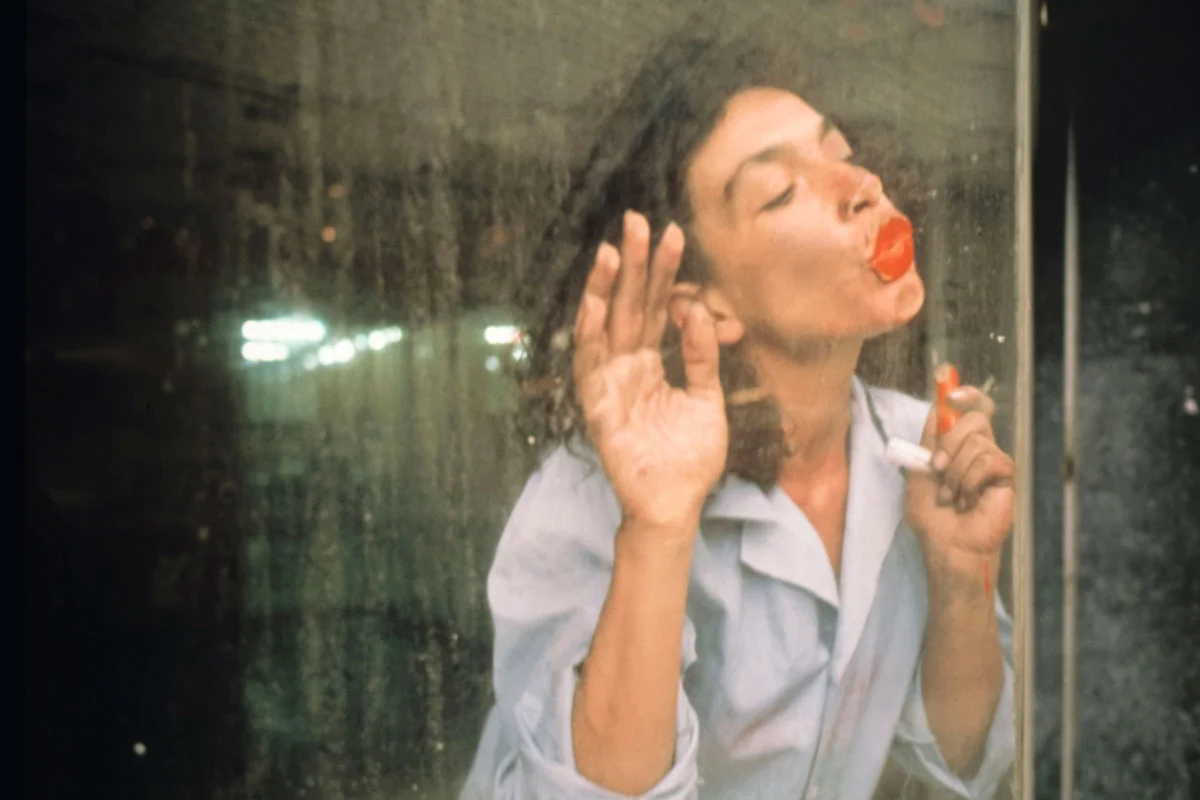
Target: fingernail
945,495
941,460
961,505
960,393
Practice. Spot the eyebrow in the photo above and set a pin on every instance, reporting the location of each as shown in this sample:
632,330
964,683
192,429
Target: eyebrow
775,152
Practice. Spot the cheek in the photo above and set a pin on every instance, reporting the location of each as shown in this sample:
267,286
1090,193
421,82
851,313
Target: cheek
815,247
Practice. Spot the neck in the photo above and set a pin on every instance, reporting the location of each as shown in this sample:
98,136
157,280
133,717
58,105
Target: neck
813,390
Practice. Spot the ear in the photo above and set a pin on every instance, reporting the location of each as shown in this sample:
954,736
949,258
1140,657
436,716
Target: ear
729,328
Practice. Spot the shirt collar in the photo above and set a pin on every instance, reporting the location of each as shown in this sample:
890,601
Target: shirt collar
778,540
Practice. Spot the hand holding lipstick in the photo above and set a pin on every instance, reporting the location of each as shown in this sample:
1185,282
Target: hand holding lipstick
965,503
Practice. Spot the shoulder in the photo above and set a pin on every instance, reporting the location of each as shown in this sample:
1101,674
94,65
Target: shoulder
566,511
570,478
902,414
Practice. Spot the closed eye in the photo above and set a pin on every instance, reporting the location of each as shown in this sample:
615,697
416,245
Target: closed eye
781,200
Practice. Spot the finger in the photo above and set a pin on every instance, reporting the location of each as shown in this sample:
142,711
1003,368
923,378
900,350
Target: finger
629,305
947,445
664,266
591,335
701,356
990,468
969,398
968,451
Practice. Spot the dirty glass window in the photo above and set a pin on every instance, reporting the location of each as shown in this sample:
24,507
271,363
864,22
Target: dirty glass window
290,267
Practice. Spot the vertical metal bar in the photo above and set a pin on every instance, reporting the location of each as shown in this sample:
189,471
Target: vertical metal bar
1070,468
1023,417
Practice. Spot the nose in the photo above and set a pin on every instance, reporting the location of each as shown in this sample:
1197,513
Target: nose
864,191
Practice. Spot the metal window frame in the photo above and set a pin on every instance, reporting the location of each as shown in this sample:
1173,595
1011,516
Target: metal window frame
1023,531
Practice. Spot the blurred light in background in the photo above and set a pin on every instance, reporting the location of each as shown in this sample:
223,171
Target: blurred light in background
287,330
273,340
501,334
257,352
377,340
340,352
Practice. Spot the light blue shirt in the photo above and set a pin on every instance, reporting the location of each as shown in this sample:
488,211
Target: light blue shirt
792,686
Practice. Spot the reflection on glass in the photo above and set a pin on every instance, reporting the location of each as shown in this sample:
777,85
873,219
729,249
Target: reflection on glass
454,531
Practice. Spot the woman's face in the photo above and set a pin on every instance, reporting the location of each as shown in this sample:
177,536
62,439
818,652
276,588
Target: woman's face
789,226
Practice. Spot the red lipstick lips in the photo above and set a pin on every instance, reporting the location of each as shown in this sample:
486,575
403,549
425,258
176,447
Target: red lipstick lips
893,254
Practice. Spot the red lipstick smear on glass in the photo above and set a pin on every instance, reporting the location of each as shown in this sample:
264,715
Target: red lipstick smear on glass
893,254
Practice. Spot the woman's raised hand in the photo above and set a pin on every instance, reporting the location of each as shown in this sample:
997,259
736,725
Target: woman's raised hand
663,448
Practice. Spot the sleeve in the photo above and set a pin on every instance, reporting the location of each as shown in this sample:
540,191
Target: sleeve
916,749
546,587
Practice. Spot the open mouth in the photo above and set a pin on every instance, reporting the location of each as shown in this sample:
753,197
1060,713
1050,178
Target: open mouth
893,255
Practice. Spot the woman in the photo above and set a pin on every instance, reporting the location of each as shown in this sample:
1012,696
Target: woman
716,584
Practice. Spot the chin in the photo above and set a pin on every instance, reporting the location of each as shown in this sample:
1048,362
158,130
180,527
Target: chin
909,296
897,304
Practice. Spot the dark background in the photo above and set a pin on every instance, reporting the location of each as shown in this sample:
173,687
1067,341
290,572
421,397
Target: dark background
134,571
1126,71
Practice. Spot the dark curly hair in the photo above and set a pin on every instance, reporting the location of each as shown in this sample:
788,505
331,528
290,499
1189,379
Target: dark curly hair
639,161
